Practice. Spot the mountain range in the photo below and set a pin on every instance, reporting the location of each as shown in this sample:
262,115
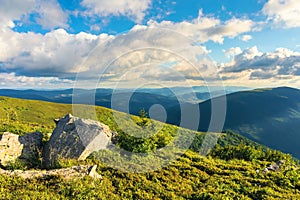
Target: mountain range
268,116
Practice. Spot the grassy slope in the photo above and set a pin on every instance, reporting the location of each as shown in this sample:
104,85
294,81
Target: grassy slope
190,177
36,113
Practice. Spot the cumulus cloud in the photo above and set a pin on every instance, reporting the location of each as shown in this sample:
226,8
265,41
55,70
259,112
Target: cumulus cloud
261,74
164,51
147,54
283,13
11,10
49,14
246,38
232,51
56,53
280,64
11,80
157,44
133,9
143,55
231,29
205,28
63,55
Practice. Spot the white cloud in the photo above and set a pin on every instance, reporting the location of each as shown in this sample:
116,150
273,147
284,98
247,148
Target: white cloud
56,53
134,9
232,51
148,54
50,14
283,13
246,38
205,28
11,80
14,10
280,64
60,54
143,54
233,27
253,68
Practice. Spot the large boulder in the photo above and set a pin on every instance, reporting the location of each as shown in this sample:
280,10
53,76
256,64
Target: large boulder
13,147
75,138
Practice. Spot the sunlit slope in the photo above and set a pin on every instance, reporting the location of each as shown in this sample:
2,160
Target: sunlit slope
21,116
228,171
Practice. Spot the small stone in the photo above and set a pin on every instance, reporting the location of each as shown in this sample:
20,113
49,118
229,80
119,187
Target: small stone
266,170
94,174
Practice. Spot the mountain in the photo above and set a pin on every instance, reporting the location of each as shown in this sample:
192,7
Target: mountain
103,97
268,116
134,102
194,94
234,167
141,97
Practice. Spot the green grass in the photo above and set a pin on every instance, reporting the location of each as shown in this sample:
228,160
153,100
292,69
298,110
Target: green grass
190,177
229,172
31,111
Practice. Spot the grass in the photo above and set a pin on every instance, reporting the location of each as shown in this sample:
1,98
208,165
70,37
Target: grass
229,172
190,177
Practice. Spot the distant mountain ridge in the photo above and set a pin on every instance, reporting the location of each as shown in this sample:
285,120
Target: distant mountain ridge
268,116
139,98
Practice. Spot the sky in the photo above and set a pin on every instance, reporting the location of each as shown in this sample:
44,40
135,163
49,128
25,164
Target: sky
143,43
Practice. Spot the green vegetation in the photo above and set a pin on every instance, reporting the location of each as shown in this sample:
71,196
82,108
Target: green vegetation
190,177
228,172
143,121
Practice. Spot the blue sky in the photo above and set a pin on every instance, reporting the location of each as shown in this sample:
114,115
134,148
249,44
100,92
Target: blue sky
158,10
47,44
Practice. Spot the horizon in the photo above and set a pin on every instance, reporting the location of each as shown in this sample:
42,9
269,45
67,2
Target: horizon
238,88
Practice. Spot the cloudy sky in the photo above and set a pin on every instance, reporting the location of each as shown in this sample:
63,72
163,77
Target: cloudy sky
100,43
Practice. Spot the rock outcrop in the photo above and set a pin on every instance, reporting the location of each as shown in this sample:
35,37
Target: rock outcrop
274,167
13,147
66,173
75,138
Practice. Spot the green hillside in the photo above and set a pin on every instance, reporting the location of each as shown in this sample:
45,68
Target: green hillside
228,172
17,114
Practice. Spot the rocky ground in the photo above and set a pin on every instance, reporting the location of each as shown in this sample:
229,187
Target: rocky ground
73,138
